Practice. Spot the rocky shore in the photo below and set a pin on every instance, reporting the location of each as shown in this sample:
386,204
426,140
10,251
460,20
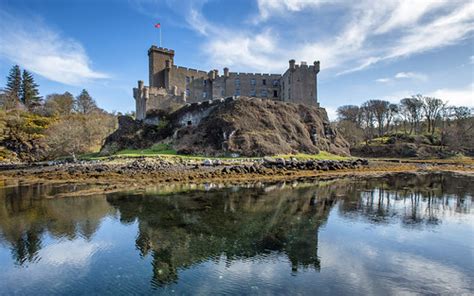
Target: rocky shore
122,173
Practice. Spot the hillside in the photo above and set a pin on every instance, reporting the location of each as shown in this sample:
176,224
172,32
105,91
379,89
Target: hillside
244,127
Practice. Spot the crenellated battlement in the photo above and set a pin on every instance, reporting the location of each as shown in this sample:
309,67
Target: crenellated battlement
189,69
164,50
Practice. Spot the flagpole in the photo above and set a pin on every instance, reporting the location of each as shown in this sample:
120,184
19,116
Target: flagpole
160,35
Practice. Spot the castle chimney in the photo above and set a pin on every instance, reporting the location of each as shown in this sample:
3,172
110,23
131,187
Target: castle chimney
292,64
226,72
140,84
316,66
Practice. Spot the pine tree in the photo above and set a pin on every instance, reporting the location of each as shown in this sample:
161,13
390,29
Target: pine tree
13,88
29,91
85,104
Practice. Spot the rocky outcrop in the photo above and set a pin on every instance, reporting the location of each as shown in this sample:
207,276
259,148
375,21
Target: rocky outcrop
237,127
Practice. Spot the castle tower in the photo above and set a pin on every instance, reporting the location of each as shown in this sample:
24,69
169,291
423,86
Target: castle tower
161,61
299,83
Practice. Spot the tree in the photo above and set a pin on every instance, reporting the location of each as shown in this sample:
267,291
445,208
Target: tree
7,102
79,133
393,111
350,113
29,91
411,109
66,137
380,110
59,104
85,104
13,88
368,121
432,108
458,132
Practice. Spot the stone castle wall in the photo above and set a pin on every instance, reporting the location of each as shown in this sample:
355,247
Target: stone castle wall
298,84
170,84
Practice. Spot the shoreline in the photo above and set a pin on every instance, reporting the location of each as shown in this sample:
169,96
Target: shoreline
128,174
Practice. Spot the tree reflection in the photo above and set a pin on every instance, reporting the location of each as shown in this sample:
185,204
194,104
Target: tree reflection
415,200
26,216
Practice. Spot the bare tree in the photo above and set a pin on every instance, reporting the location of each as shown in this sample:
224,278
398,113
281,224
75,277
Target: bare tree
380,110
350,113
432,108
391,115
411,109
368,120
59,104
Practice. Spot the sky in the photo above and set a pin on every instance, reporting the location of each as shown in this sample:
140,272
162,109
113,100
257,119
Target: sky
384,49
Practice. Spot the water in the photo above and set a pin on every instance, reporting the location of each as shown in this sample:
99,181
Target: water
402,233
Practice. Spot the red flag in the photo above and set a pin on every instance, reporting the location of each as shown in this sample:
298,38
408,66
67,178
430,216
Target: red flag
158,26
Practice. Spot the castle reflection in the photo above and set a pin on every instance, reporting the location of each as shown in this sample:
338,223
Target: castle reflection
181,230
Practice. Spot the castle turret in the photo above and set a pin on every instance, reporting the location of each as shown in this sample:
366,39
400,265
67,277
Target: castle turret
299,83
292,64
160,63
226,72
141,95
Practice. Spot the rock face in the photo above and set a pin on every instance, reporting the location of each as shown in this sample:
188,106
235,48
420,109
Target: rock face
243,126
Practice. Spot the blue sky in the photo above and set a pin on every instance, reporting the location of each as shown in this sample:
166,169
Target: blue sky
368,49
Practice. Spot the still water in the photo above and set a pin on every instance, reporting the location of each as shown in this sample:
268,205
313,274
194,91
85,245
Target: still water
402,233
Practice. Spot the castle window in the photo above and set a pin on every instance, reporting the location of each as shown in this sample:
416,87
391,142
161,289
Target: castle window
237,82
188,93
237,92
188,79
253,93
253,82
275,94
264,81
204,82
222,92
275,82
264,93
204,95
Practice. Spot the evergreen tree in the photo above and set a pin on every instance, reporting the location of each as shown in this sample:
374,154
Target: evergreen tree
29,91
85,104
13,88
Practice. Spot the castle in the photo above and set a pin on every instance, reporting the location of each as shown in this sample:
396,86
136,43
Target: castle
171,85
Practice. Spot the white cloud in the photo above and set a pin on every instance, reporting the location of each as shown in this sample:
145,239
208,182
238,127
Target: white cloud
411,75
443,31
363,34
246,51
404,75
383,80
332,112
471,59
38,48
268,8
77,252
346,36
457,97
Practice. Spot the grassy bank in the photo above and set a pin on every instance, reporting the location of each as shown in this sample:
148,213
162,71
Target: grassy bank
163,150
